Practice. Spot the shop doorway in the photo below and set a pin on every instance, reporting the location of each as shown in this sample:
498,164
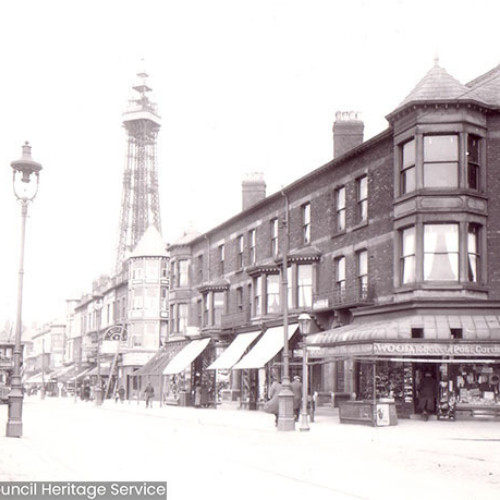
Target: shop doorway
426,387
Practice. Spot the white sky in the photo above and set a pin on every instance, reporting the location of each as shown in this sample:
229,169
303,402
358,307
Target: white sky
241,86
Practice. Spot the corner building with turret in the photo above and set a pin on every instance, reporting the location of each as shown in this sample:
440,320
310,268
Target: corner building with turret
391,248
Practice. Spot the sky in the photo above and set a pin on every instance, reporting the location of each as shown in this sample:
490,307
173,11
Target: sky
241,86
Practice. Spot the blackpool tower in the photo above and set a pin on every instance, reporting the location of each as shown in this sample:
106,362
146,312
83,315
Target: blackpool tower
140,206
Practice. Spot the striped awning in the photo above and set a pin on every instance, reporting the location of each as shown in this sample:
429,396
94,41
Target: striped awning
266,348
234,351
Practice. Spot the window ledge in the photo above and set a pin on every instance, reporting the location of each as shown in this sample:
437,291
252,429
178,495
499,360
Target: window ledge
339,233
441,285
360,225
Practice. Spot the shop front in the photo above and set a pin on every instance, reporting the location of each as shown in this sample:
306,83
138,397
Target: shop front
446,378
189,382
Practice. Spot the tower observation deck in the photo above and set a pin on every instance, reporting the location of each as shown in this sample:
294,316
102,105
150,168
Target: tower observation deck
140,205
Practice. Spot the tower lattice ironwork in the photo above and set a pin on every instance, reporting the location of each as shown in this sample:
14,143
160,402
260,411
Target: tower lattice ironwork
140,206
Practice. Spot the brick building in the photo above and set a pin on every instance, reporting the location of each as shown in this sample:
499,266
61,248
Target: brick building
391,247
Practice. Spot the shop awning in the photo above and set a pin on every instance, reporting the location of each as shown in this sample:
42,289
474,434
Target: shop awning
62,373
186,356
157,363
234,351
83,373
38,379
266,348
435,327
104,369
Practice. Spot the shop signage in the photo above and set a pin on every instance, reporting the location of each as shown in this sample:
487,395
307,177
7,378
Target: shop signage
435,349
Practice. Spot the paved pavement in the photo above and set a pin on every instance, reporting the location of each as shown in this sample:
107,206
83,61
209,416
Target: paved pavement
232,453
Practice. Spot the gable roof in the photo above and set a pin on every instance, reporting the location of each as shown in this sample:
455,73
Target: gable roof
151,244
485,88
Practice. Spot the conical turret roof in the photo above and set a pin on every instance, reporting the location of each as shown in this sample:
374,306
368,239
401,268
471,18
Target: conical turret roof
151,244
436,85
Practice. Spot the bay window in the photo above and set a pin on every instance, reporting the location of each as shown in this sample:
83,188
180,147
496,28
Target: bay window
408,170
440,252
273,293
473,252
441,161
304,285
408,254
473,162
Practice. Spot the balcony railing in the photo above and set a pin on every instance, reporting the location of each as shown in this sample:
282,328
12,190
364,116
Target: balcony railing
348,297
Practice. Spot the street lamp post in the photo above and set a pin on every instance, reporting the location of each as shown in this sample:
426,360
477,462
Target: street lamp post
305,329
286,418
25,191
98,389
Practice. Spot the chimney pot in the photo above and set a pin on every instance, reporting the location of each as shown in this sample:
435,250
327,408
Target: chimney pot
348,130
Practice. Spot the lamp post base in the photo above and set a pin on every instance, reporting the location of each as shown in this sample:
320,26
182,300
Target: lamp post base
98,397
286,418
304,422
15,421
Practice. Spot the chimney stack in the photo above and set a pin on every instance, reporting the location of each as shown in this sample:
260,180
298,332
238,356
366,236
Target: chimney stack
253,189
347,132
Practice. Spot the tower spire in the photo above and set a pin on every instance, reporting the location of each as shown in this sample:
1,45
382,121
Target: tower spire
140,205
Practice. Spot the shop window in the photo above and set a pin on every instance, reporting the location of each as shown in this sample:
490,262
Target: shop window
473,161
456,333
441,161
408,168
441,252
362,198
417,333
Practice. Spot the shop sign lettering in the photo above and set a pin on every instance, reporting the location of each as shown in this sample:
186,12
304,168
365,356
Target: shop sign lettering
435,349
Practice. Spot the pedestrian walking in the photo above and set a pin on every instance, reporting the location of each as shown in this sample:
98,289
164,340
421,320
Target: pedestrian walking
296,387
149,393
272,405
121,393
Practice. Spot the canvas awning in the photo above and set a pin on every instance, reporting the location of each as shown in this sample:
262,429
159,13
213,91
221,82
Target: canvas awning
157,363
62,373
186,356
234,351
266,348
38,379
83,373
104,369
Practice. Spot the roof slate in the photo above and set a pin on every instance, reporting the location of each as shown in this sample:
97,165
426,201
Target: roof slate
150,245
